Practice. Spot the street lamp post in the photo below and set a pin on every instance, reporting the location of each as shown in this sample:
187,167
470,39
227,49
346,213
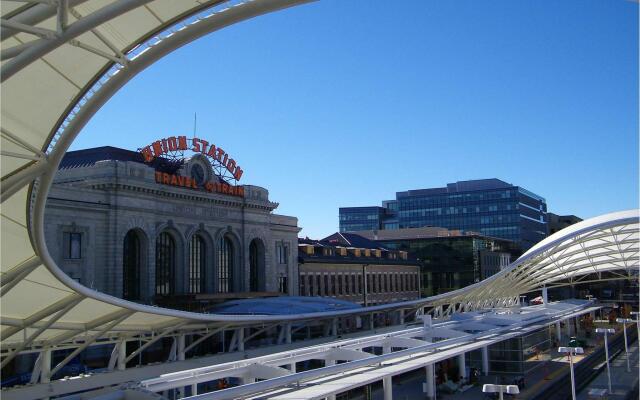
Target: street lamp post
501,389
606,332
624,322
637,321
571,351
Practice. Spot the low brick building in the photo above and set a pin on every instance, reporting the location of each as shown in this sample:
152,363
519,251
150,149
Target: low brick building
350,267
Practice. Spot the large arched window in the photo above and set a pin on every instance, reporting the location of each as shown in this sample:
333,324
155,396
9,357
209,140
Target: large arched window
225,265
131,266
256,266
165,264
197,259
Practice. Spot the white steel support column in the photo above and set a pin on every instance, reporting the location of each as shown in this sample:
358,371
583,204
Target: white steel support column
387,387
328,363
427,324
121,364
545,296
45,368
194,389
287,339
240,338
386,348
181,346
180,341
287,333
485,360
462,366
430,385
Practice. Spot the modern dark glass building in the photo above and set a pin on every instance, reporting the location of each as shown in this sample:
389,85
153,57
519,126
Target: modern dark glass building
362,218
488,206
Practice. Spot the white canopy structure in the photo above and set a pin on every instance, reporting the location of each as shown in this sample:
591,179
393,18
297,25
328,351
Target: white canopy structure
61,61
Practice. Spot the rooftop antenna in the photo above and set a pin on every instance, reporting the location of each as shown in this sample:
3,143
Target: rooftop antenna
195,122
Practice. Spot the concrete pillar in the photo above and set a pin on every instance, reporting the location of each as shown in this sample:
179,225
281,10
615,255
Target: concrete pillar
545,296
371,322
248,379
430,386
45,368
387,387
401,316
240,338
194,389
485,360
121,365
292,367
558,332
576,321
567,327
462,366
334,327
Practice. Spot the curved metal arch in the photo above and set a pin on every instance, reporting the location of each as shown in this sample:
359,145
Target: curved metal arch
500,289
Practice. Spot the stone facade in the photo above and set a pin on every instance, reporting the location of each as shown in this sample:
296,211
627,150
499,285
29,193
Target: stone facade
106,199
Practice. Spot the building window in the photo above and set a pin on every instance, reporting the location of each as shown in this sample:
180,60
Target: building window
281,252
73,248
256,266
131,265
282,284
303,289
165,264
225,265
197,260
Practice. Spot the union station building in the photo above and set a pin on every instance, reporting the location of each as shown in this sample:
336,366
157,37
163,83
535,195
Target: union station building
171,231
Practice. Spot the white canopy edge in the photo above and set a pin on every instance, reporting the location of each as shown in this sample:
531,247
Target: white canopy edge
71,62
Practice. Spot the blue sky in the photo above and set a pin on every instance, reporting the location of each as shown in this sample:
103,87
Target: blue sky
344,102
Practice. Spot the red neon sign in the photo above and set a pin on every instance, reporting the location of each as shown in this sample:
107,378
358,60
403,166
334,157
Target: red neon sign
176,143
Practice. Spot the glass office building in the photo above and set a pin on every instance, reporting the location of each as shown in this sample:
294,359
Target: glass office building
361,218
488,206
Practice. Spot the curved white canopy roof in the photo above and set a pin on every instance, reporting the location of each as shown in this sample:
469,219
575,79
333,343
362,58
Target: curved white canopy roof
60,64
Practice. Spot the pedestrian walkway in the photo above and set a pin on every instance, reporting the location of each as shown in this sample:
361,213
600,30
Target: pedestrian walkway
622,382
